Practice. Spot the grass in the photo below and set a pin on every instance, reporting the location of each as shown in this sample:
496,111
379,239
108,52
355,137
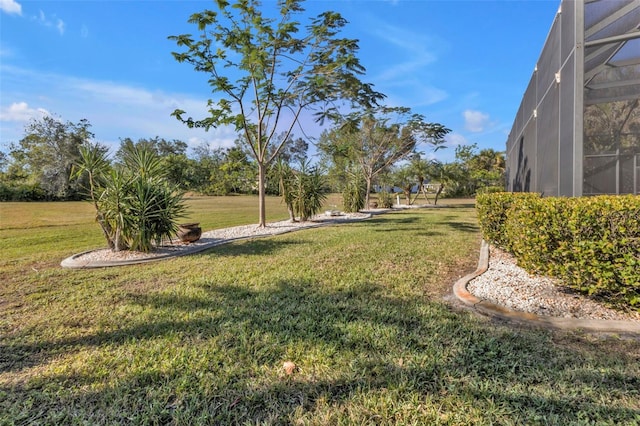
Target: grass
359,308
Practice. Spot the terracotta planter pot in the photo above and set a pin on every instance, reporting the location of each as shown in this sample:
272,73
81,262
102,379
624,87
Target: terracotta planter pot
189,232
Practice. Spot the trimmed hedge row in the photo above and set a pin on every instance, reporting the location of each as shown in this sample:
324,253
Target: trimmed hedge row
591,243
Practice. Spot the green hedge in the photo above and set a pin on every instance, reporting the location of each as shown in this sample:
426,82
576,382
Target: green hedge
492,213
591,243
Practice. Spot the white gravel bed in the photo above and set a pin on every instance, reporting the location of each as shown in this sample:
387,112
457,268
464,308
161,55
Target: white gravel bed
508,285
214,237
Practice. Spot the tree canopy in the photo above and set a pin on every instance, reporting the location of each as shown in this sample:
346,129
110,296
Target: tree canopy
266,71
473,170
376,139
43,158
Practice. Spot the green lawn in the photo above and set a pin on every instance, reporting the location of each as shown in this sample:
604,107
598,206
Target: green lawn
359,308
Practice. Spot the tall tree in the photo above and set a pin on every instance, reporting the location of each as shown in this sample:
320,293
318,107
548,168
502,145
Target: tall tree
473,170
488,168
267,71
206,171
48,151
378,138
237,174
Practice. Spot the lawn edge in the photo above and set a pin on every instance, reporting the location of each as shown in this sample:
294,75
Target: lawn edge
493,310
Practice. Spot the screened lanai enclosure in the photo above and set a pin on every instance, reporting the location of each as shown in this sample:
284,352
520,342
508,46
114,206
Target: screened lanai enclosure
577,131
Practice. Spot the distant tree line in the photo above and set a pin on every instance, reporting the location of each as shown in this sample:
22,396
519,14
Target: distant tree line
372,154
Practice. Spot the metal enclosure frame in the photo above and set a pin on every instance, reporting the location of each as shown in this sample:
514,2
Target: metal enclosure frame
577,130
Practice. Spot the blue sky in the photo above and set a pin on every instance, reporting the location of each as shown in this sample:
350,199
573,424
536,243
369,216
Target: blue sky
464,64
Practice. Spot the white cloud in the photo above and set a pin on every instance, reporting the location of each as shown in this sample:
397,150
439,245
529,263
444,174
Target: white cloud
60,26
53,22
20,111
115,110
415,45
475,121
5,51
456,139
11,7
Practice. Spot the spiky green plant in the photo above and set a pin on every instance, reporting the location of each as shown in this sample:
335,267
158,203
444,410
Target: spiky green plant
353,195
303,190
95,165
285,175
135,206
309,191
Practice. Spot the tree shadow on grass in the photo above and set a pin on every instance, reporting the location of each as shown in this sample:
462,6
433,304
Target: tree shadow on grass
369,344
469,205
392,220
402,221
463,226
409,217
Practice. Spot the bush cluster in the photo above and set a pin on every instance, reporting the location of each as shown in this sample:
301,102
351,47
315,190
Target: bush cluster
385,200
23,192
591,243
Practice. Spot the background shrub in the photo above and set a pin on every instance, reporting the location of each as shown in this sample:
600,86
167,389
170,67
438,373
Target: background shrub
385,200
490,189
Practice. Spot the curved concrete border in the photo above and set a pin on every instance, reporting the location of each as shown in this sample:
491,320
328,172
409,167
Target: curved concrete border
75,262
491,309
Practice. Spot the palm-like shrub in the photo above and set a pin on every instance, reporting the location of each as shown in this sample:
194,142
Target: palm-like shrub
303,190
354,193
286,175
309,191
135,205
385,200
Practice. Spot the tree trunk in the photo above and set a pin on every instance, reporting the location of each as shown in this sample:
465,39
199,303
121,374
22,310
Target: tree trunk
421,190
106,229
262,220
117,244
426,197
366,196
438,194
286,196
407,195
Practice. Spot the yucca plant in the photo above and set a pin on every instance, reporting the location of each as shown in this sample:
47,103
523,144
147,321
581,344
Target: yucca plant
353,195
154,205
303,190
385,200
309,192
114,206
95,165
285,175
135,206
